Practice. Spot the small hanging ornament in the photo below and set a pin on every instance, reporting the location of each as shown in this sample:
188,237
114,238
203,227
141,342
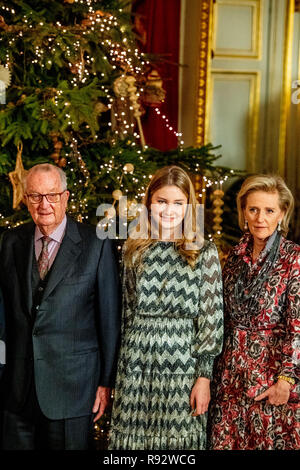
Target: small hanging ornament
16,177
3,25
110,213
122,117
57,144
88,21
62,162
55,156
117,194
218,202
124,86
136,106
74,68
120,86
154,92
100,108
128,209
21,100
75,155
77,67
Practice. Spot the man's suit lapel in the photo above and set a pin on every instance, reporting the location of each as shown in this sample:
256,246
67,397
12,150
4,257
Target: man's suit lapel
23,253
66,257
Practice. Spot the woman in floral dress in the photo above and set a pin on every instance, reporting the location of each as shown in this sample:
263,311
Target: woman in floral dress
172,323
256,385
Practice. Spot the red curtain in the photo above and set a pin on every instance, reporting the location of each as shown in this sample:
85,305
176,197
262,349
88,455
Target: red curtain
158,23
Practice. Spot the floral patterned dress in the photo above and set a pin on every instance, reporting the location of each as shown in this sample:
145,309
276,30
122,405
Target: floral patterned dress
260,344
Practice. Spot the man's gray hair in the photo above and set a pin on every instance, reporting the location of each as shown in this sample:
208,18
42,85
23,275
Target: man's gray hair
46,167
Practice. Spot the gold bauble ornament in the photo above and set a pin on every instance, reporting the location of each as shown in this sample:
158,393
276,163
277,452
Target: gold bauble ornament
128,168
117,194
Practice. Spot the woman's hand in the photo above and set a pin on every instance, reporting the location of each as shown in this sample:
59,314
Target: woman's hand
200,396
278,394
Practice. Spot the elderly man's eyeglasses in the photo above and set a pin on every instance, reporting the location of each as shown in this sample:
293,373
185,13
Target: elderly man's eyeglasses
36,198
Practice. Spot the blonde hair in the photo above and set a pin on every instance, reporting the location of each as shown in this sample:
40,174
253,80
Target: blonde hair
136,246
269,184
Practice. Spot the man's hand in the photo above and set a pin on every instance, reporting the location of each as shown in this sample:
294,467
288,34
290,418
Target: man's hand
103,397
200,396
278,394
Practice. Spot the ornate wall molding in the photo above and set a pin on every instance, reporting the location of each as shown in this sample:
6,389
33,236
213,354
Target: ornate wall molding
252,14
204,62
286,86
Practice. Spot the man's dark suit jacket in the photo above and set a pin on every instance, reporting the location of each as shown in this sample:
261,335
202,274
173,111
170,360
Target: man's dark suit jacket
72,338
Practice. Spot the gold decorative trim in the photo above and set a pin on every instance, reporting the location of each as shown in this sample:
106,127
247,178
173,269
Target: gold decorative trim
204,64
286,86
255,51
254,78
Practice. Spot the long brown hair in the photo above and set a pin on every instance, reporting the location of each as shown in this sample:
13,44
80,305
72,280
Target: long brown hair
135,246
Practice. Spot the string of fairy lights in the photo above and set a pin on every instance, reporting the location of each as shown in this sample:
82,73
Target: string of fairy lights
166,122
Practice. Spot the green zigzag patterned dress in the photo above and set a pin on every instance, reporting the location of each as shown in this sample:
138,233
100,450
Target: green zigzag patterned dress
172,331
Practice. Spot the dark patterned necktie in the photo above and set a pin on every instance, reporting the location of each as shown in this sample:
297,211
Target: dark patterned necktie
43,261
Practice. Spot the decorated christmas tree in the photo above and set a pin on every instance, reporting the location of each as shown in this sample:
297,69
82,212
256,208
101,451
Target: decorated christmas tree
74,86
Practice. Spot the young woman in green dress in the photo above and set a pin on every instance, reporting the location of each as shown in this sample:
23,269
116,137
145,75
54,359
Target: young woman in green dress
172,323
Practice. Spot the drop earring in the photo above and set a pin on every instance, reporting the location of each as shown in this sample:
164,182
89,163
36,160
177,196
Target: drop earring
246,225
279,226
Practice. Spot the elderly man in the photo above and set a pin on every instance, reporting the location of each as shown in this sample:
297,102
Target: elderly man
62,305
